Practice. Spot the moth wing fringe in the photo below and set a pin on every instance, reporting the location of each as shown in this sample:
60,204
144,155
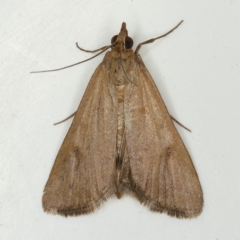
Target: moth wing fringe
173,212
83,210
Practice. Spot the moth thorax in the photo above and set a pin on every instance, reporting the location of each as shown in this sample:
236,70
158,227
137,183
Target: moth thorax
119,72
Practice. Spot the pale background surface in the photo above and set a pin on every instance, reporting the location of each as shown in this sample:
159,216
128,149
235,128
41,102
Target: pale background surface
196,69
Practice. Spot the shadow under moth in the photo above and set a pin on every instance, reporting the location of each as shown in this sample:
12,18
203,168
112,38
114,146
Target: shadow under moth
122,139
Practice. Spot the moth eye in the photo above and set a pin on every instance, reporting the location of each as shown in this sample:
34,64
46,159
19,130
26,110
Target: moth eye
114,38
128,42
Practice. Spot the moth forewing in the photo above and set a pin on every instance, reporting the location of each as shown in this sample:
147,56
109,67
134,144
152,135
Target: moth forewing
83,173
161,171
122,137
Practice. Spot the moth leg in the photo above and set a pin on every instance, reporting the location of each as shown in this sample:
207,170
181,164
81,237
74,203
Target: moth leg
91,51
153,39
180,124
72,115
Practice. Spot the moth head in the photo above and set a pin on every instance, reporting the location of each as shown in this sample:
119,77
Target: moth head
122,40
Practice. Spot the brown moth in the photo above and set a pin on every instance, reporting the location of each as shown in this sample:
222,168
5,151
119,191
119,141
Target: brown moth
122,138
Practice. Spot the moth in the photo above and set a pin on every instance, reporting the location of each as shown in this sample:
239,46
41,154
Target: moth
122,139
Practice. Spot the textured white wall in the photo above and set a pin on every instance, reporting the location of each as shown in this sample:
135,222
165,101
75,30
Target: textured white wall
196,69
